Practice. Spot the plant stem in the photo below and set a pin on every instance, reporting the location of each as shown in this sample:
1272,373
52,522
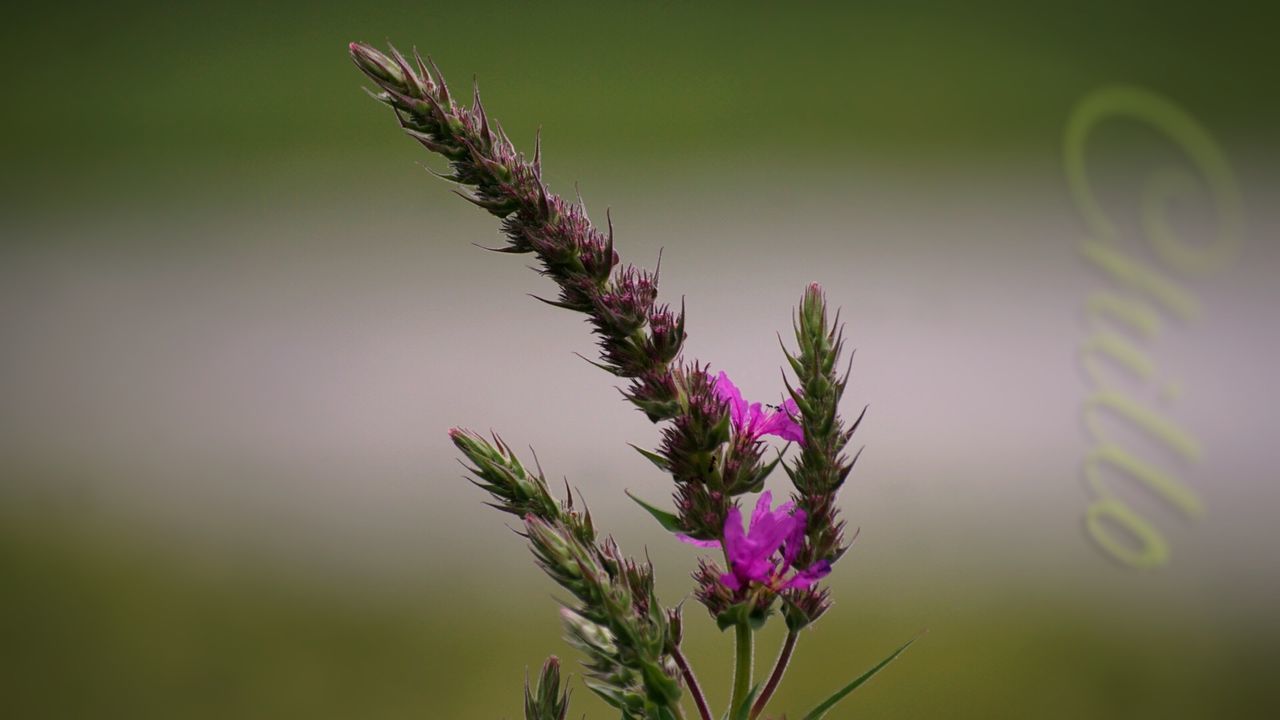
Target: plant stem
779,669
694,688
742,669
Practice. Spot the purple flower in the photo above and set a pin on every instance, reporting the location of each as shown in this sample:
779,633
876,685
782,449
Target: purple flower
765,552
752,420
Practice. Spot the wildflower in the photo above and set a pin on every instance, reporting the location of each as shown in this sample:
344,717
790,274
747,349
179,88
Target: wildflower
767,550
752,420
711,447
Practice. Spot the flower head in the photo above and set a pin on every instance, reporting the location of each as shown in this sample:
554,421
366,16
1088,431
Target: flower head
752,420
765,552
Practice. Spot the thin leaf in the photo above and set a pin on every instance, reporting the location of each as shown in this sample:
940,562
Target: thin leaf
668,521
830,702
608,693
654,458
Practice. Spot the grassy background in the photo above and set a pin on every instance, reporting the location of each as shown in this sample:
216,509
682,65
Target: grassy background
101,622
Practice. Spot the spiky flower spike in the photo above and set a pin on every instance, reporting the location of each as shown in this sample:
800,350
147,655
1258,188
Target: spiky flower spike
639,339
822,466
617,621
497,470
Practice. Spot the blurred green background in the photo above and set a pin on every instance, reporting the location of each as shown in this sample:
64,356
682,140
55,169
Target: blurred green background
238,318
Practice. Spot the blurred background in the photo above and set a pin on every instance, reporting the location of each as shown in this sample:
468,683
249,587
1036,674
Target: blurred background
238,317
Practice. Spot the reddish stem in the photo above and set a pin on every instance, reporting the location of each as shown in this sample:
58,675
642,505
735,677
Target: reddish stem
779,668
698,698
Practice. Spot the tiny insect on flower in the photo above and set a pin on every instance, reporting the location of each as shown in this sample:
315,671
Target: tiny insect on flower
753,420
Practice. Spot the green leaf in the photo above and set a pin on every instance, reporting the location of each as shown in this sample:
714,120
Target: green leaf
624,701
667,520
602,366
830,702
654,458
660,687
762,473
743,711
728,618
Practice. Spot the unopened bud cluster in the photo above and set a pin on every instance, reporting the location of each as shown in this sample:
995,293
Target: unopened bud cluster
822,465
640,339
617,621
546,701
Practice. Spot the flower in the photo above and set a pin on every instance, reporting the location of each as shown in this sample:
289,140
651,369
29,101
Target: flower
753,420
766,551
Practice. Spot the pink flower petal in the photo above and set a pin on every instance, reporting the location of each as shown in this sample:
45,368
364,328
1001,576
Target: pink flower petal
762,508
753,420
813,574
795,542
729,393
695,541
734,536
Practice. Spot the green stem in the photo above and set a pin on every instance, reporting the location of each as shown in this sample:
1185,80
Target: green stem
742,669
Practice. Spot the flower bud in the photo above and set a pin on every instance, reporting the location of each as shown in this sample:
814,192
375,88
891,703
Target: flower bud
592,638
377,66
675,626
548,701
804,606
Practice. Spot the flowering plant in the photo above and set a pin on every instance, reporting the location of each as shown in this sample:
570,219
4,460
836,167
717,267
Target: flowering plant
712,442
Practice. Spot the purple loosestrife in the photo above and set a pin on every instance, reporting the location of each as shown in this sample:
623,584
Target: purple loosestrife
712,441
725,598
705,506
762,555
762,562
752,421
